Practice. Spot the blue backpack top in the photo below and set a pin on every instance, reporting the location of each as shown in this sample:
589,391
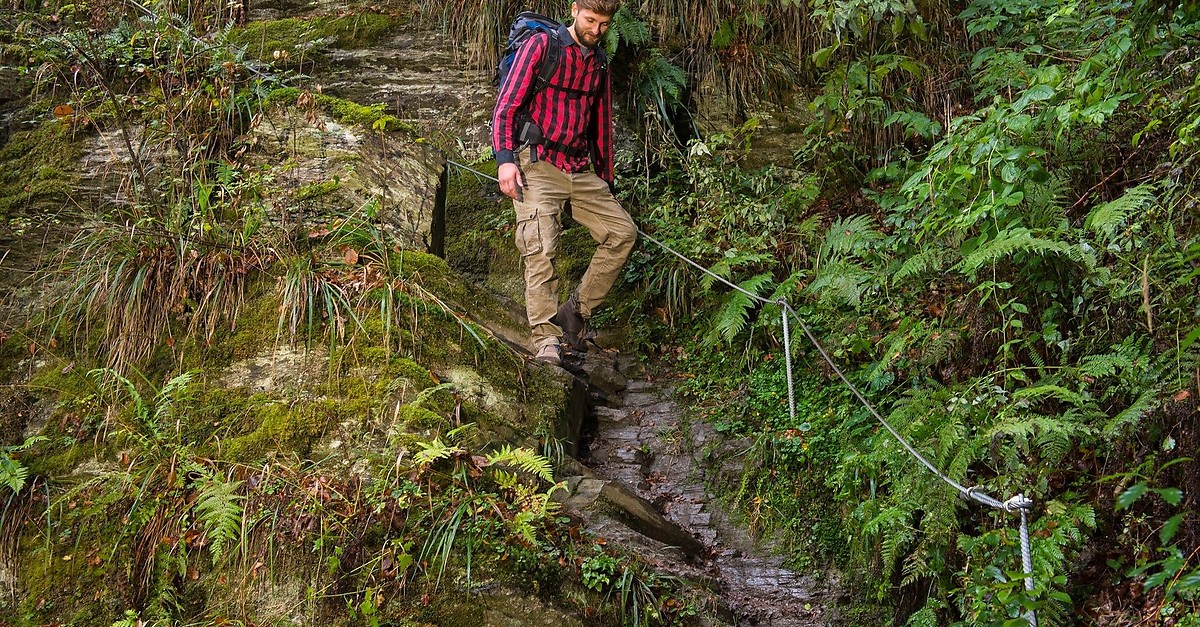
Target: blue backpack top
526,24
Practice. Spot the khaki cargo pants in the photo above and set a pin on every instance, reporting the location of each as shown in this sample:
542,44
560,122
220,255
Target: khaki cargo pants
539,227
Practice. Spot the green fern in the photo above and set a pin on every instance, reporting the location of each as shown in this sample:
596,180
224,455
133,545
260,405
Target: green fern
1131,415
506,480
522,525
849,235
436,450
922,263
428,393
1053,436
1106,364
841,283
734,314
625,28
895,533
524,459
1107,218
660,85
1009,243
926,617
1048,390
12,473
219,511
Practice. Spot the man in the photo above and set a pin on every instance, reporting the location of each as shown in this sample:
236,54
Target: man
574,115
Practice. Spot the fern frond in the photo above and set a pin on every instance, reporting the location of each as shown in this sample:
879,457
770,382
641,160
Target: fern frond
938,347
1131,415
1107,218
626,28
841,283
1009,243
1056,391
433,451
731,261
1054,446
922,263
522,525
173,392
734,314
850,234
428,392
660,83
1054,436
12,473
219,510
926,617
806,230
460,434
524,459
1104,365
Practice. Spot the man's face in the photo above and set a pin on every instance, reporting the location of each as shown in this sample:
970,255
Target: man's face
589,26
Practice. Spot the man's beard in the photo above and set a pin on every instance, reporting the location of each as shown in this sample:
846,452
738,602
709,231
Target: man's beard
584,38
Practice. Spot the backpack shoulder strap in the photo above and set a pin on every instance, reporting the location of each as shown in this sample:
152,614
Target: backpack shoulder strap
550,59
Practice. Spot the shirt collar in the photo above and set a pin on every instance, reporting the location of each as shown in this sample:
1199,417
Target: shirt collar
564,33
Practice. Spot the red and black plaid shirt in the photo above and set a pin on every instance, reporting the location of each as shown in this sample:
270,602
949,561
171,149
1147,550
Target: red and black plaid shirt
573,110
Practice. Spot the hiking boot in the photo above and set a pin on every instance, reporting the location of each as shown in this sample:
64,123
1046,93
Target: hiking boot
550,354
573,324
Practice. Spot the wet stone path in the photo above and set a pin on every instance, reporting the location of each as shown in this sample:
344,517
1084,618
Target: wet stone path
643,454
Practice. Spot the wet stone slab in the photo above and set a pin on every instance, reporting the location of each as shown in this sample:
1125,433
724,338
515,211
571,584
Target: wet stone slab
643,443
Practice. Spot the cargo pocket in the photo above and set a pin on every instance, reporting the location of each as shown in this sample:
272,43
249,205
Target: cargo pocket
529,231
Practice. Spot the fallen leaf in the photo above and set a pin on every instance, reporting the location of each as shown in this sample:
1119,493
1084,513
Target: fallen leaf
63,110
1183,395
351,256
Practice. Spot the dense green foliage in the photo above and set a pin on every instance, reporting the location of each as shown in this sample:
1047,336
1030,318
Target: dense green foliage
1011,279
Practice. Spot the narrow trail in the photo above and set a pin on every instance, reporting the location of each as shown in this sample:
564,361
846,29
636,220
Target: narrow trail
642,448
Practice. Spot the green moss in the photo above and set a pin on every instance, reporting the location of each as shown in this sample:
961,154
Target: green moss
418,420
65,380
305,37
257,327
59,460
368,116
283,428
38,169
316,190
430,272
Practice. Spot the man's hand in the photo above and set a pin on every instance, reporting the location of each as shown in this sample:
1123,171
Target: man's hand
511,181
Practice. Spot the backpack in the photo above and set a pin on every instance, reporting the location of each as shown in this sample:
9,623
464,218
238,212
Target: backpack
526,24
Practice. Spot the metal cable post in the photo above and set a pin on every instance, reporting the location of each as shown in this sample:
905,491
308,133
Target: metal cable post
787,355
1027,561
1024,505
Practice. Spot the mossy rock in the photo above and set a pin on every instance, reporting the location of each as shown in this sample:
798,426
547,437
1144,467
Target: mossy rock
416,421
38,169
284,429
371,117
305,37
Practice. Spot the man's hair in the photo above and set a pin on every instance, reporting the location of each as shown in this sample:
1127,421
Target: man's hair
603,7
